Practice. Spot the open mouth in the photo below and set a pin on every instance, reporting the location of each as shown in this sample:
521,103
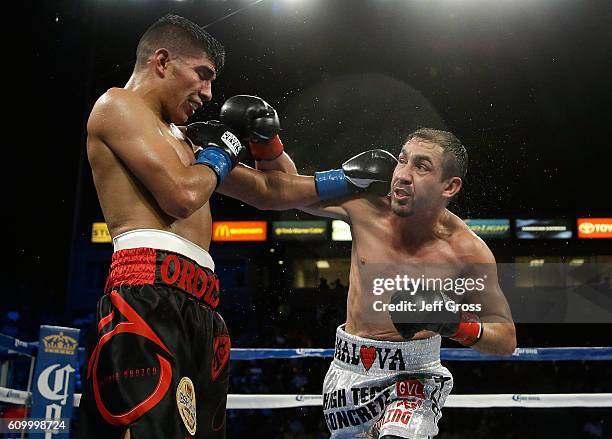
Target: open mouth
192,107
401,194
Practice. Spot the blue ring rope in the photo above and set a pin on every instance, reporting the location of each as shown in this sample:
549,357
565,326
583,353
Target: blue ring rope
10,346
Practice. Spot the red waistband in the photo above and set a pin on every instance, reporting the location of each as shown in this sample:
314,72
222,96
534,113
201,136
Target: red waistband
149,266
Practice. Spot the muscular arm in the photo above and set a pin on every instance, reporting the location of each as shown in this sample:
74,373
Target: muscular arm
270,190
364,172
122,122
282,163
499,335
497,338
348,208
329,209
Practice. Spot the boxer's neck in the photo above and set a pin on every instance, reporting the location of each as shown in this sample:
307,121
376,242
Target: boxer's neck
418,228
147,89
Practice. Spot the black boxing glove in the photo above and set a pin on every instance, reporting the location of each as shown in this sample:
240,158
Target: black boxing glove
256,123
430,312
369,171
220,149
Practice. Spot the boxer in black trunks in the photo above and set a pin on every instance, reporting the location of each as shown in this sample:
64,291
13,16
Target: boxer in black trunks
159,340
159,366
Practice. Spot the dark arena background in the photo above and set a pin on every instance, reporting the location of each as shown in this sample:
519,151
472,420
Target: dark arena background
525,85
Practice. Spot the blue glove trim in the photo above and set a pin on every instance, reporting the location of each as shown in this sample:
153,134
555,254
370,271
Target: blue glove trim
331,184
216,159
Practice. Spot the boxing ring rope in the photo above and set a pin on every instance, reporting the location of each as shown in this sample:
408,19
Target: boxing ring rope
269,401
446,354
11,347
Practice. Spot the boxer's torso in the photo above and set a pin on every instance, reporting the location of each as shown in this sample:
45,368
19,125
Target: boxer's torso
378,243
128,205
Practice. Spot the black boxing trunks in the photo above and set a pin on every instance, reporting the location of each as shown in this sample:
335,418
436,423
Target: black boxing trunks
159,365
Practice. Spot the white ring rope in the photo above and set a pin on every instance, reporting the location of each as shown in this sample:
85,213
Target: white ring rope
234,401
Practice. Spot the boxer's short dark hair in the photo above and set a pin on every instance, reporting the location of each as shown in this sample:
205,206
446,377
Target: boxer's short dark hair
180,36
455,155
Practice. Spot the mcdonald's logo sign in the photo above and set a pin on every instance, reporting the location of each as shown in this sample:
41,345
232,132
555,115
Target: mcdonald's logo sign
239,231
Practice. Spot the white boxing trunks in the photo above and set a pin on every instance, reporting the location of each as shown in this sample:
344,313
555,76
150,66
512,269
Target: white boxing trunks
376,388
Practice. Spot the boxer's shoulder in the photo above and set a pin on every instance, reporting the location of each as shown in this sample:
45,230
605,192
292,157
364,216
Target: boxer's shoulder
469,247
117,100
465,244
118,110
366,206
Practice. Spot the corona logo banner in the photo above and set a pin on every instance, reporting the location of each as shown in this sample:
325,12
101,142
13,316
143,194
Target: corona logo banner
60,344
590,228
55,376
239,231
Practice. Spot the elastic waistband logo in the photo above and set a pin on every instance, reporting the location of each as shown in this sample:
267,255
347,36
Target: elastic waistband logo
191,278
384,358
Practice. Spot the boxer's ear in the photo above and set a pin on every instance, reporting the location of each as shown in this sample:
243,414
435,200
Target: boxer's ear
160,61
452,186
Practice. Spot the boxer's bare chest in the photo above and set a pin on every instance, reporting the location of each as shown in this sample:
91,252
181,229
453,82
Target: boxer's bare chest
178,142
197,227
376,241
379,246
